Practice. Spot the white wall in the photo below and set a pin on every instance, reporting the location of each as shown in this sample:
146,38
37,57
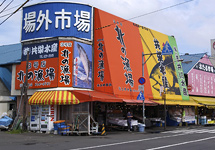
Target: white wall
4,108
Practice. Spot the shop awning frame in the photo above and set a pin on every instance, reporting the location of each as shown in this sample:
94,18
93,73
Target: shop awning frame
177,102
204,101
92,96
139,102
53,98
68,97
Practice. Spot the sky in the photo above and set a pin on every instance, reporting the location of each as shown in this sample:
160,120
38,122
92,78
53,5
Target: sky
191,23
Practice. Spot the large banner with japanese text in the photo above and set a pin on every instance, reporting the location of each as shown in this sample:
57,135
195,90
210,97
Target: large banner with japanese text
65,63
42,73
117,54
54,19
122,49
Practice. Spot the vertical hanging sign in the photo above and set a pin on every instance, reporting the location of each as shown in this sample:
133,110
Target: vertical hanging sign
65,63
82,75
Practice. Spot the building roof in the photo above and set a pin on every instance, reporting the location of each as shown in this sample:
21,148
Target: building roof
189,60
10,54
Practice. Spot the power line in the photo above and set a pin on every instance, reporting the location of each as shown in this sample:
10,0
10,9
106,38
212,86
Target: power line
14,12
15,7
2,3
150,13
6,6
161,9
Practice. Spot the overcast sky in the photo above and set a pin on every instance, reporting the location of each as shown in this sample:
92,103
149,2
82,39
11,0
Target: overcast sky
192,23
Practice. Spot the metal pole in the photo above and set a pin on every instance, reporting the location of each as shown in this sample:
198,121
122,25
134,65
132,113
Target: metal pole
143,88
25,85
164,110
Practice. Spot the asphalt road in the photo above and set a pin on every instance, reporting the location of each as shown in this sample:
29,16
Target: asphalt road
192,138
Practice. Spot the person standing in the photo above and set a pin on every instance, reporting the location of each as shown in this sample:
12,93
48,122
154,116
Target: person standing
129,116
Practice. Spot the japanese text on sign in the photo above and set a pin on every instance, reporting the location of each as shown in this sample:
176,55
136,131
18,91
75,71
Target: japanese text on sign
125,60
161,65
65,74
56,19
181,80
40,51
101,61
39,74
62,20
204,67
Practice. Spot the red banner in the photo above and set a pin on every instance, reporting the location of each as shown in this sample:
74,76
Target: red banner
65,64
41,73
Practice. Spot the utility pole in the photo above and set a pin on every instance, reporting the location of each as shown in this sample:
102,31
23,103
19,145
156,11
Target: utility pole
164,99
25,86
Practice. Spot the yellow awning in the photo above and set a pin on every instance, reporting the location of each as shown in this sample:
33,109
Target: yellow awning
206,101
178,102
53,98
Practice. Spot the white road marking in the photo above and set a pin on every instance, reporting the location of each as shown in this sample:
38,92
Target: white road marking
183,143
127,142
188,131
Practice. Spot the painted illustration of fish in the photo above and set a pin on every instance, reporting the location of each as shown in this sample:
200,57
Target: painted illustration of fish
172,77
85,61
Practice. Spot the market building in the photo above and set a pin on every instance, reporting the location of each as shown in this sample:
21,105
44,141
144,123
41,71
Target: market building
199,74
84,66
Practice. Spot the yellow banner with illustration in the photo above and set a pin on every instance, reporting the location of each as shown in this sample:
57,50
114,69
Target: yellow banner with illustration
164,70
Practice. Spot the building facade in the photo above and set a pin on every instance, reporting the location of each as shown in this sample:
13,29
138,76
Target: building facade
83,60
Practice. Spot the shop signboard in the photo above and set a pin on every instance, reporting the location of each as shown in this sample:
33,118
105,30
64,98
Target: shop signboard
163,70
42,73
42,67
117,66
54,19
202,78
82,74
179,70
65,64
42,50
119,45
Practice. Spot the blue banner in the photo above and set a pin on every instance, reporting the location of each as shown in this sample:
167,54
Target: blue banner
40,50
56,19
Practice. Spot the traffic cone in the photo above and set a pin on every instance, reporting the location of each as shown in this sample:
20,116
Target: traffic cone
103,130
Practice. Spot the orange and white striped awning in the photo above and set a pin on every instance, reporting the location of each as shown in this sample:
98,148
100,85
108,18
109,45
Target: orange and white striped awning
53,98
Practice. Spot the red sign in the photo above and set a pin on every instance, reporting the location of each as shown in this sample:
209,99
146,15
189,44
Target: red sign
41,73
142,80
189,87
65,64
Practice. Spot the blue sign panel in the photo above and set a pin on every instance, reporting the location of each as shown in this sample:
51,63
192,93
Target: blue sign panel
167,50
56,19
40,50
141,96
82,75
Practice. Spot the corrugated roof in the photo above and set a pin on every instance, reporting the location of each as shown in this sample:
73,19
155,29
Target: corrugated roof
10,54
189,60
